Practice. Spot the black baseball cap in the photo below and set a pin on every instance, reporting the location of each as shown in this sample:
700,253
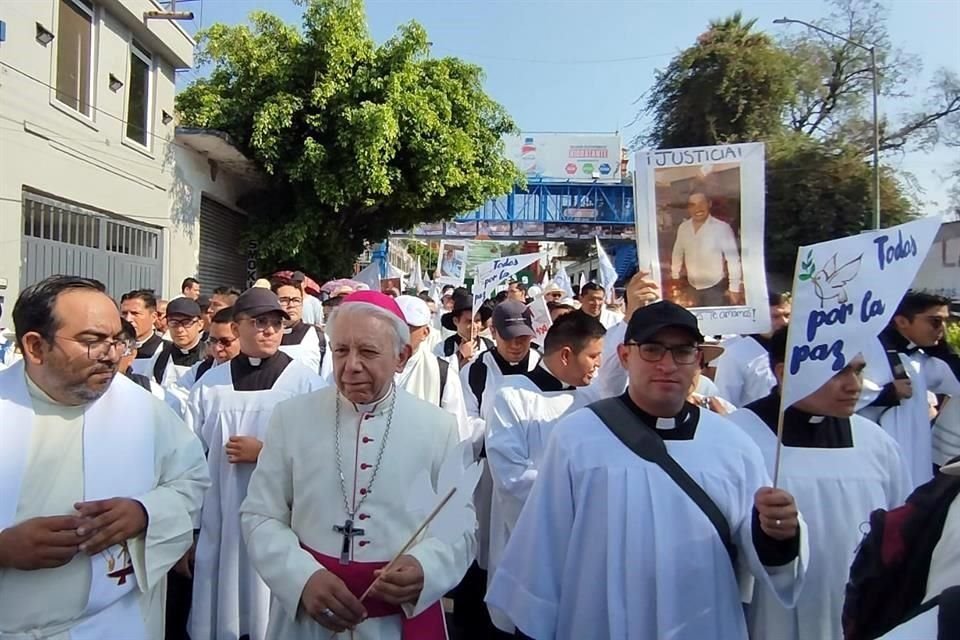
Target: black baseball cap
256,302
183,307
649,320
511,319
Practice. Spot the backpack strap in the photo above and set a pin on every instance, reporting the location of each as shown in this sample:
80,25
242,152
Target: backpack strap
477,379
160,364
444,370
638,437
322,339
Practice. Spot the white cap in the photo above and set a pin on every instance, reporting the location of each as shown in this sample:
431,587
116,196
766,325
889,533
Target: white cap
552,286
415,311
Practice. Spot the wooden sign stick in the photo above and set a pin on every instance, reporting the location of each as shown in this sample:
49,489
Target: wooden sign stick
412,539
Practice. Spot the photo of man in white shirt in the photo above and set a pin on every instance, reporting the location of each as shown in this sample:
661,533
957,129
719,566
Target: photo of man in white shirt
706,257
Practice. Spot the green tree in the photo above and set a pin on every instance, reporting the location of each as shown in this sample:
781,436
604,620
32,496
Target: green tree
356,138
733,85
815,193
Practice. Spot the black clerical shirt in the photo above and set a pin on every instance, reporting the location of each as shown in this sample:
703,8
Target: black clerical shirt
257,374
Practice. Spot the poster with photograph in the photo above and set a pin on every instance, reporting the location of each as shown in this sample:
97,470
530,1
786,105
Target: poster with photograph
700,217
487,229
527,228
453,258
462,229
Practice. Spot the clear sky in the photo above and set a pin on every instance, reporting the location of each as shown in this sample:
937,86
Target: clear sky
580,65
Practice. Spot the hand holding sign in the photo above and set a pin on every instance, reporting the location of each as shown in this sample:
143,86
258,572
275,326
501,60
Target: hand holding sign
845,292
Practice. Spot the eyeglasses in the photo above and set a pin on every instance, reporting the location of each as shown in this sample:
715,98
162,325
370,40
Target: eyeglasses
654,352
185,324
269,321
100,349
223,342
290,302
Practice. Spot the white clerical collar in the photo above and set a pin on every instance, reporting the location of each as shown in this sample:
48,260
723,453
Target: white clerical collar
190,348
815,419
255,362
140,343
370,407
544,366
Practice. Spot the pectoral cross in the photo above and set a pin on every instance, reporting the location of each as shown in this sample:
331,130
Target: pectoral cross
348,532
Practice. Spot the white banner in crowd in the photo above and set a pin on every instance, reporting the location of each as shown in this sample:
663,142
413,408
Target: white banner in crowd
700,215
493,272
608,274
540,317
563,281
845,292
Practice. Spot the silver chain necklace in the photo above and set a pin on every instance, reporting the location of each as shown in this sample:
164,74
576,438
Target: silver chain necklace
376,466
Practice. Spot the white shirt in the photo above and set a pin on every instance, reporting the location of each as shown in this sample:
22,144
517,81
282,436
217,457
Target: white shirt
704,252
743,371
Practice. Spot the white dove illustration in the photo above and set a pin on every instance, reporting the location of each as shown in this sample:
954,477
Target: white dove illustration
830,282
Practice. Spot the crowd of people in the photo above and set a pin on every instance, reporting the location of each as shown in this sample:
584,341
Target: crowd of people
236,467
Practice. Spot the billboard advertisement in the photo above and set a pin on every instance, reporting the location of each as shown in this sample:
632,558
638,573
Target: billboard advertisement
573,157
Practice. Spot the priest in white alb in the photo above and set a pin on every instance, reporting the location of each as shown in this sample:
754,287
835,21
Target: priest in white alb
841,467
100,482
326,506
230,408
646,511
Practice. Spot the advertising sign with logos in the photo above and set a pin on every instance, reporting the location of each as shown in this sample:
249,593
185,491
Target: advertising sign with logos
574,157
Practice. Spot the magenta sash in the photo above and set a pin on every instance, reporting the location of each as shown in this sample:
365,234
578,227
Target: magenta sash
358,576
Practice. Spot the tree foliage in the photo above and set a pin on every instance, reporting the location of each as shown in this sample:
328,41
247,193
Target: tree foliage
808,98
733,85
356,138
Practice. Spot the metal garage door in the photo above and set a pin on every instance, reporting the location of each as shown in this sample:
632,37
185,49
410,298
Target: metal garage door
63,238
223,261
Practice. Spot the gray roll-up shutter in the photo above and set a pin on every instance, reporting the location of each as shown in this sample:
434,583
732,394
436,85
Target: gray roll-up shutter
222,257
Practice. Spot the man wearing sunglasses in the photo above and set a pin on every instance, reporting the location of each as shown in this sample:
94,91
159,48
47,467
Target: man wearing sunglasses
909,359
185,348
611,544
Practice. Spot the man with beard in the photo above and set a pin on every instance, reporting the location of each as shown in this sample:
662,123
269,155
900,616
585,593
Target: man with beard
93,512
327,504
185,348
229,409
525,410
139,308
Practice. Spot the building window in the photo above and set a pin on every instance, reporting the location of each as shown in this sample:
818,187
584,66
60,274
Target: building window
75,55
138,94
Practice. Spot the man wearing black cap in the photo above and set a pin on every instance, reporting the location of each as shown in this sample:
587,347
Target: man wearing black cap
465,345
185,348
610,546
525,409
232,404
481,379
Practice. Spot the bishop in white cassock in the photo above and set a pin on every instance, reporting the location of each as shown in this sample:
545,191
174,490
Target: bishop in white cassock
525,410
326,506
609,546
840,467
100,483
229,408
425,375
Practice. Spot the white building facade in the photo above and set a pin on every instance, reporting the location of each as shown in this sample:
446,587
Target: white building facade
93,181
